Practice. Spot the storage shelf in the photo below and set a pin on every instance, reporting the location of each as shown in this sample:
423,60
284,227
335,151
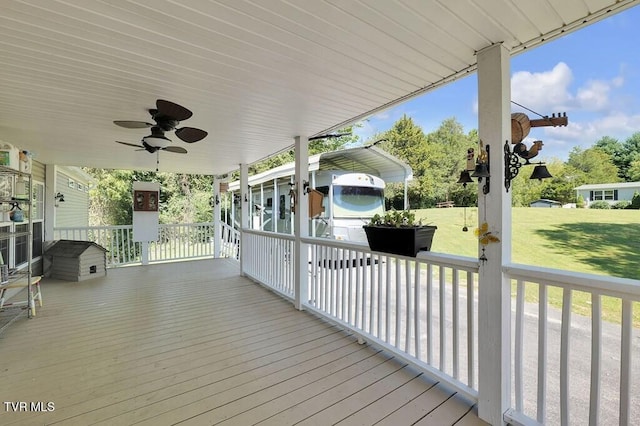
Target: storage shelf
14,200
23,277
4,170
7,235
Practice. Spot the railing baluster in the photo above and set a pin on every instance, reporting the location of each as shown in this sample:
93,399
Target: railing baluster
387,300
398,315
349,272
625,362
543,321
340,304
519,346
564,356
429,313
375,260
417,316
315,273
471,331
443,319
360,277
324,281
596,355
409,309
456,323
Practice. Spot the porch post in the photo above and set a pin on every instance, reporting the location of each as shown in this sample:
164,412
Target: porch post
217,218
275,206
244,213
301,223
406,194
494,294
50,172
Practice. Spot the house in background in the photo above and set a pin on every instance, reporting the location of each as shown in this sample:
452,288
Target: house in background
609,192
543,202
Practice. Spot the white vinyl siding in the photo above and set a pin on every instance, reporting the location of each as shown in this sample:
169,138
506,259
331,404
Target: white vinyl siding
74,211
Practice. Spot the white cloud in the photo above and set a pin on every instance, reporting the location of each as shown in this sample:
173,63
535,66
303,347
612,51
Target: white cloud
544,91
594,96
550,91
559,141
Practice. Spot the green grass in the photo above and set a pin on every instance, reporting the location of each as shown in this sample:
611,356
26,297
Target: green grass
603,242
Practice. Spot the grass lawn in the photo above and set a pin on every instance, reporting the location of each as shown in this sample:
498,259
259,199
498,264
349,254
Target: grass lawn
604,242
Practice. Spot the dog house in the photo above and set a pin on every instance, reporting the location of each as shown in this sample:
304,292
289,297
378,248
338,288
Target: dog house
77,260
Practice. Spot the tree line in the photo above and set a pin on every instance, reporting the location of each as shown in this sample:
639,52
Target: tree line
437,158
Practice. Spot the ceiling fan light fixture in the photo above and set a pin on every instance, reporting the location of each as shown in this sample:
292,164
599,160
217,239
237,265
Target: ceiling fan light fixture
157,141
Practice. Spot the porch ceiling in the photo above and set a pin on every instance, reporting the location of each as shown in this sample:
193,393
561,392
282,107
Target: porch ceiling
255,74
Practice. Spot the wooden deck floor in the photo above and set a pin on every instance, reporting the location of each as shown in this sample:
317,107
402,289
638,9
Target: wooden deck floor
195,343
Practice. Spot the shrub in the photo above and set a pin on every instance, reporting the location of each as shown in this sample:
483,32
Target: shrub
580,202
599,205
635,201
621,205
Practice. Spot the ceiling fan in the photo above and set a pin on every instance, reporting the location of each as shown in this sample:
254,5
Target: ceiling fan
167,116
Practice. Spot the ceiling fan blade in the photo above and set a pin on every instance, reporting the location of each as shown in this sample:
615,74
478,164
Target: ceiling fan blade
130,144
175,111
132,124
190,134
176,149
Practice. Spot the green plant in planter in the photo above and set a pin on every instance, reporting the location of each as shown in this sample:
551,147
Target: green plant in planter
396,219
398,232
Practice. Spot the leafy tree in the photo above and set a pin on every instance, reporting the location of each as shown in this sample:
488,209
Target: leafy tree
408,142
183,198
436,159
633,173
630,158
593,165
112,198
615,150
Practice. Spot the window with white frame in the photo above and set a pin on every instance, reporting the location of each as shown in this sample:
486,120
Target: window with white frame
607,194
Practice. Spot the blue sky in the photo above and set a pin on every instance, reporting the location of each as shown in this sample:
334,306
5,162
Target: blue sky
592,74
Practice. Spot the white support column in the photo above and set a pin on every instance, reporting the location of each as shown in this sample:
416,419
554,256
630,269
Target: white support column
49,205
494,295
301,222
262,206
312,185
217,218
406,194
244,213
232,200
275,207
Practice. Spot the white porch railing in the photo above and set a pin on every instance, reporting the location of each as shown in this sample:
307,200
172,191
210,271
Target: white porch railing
175,242
230,244
270,260
117,239
565,369
424,310
571,368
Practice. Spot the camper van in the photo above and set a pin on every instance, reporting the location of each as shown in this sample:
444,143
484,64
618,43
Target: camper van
342,200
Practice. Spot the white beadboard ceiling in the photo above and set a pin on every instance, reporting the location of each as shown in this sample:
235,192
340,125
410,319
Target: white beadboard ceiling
254,73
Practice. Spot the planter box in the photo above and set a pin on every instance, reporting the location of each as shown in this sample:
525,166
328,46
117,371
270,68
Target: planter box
402,241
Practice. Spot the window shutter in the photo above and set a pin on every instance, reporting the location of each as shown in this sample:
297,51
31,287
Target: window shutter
591,195
615,194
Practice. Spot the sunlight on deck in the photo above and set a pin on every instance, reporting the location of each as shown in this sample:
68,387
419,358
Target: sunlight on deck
194,342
